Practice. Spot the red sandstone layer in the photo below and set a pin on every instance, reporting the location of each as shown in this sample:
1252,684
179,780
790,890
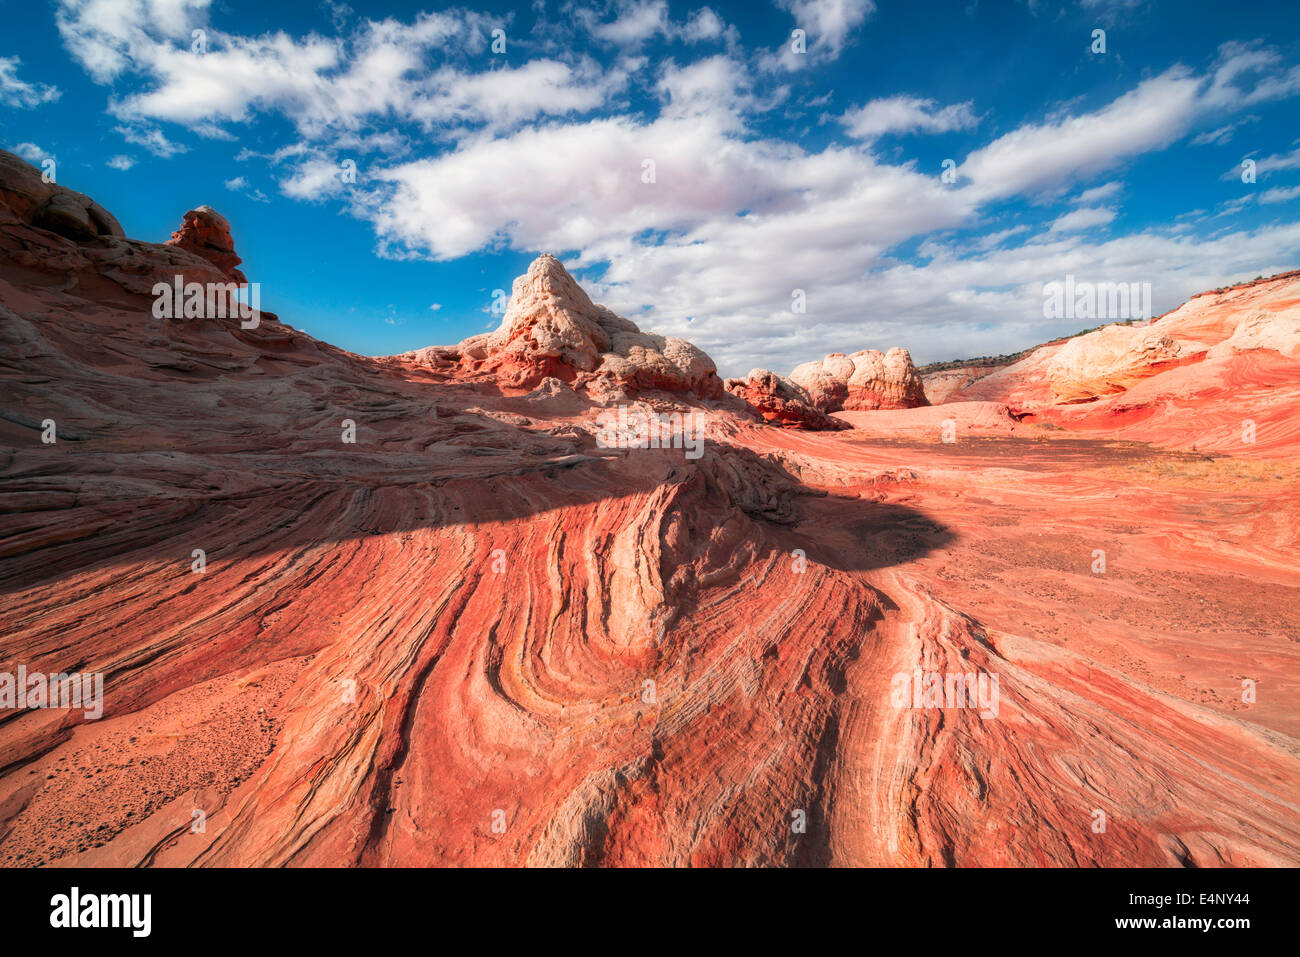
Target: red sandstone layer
475,635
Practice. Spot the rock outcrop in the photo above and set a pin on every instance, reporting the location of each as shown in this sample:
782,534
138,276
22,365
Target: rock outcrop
862,381
205,231
553,329
1165,381
365,613
29,200
52,228
1111,360
780,402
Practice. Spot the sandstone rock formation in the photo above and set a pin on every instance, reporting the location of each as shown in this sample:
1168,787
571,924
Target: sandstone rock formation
780,402
205,231
51,228
862,381
1110,360
553,329
29,200
1168,381
948,380
472,636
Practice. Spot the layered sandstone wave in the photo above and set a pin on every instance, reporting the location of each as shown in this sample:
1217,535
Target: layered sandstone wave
1221,373
355,611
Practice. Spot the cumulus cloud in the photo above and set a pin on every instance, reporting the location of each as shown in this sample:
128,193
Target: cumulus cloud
829,26
689,213
704,24
18,93
413,72
32,153
717,86
906,114
635,24
108,36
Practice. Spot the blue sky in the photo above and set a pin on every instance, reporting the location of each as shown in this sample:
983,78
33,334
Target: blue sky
774,170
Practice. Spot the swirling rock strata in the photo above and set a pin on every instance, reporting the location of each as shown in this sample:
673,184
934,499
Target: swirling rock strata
1220,373
368,612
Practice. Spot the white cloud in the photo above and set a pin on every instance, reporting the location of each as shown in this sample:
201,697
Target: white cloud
992,240
636,23
1215,137
32,153
1279,194
717,86
829,21
703,25
906,114
108,36
1098,193
515,154
18,93
120,162
1081,219
154,140
240,184
828,24
314,178
326,86
1047,157
1259,66
508,96
1268,165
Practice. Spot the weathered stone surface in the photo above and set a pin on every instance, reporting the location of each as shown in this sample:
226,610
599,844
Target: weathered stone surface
1109,360
50,206
205,232
553,329
1189,379
780,402
473,636
864,380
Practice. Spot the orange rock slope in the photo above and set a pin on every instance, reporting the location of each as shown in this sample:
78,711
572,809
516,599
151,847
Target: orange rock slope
1221,374
475,634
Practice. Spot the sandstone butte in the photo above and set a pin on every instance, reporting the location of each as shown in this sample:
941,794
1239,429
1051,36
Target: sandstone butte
475,636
